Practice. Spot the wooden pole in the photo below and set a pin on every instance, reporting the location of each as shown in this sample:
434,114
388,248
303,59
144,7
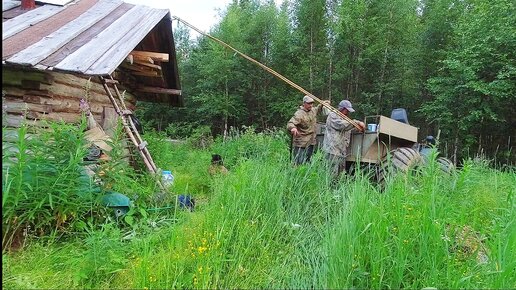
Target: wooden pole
276,74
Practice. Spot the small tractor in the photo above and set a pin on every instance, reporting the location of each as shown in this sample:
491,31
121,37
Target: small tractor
383,135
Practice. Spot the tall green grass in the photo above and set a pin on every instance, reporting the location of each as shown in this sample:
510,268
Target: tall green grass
44,188
268,224
404,237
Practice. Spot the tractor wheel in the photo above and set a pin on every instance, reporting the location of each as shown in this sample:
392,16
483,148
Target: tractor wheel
445,164
402,160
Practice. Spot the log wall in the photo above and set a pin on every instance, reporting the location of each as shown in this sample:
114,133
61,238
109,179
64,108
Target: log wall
36,95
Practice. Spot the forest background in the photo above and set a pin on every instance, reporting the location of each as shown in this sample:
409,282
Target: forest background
450,63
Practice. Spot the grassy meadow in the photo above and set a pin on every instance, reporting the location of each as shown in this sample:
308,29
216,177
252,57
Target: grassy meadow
266,224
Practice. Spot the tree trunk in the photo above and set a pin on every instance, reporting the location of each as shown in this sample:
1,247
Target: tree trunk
226,95
382,77
455,148
330,74
311,60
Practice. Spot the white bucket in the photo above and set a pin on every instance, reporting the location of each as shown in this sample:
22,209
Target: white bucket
372,127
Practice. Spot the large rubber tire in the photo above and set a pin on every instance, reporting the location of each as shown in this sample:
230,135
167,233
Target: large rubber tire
401,159
445,164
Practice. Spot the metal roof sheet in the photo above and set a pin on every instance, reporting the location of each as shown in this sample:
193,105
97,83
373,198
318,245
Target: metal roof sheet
91,37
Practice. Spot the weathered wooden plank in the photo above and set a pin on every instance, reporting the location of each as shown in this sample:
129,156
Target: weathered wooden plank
12,135
14,121
64,93
9,4
86,36
49,44
12,13
159,56
41,119
140,68
93,94
31,85
77,92
58,2
35,33
91,83
19,92
20,107
64,104
81,59
108,62
146,73
27,19
141,58
145,61
149,65
75,79
15,77
157,90
135,67
109,120
56,117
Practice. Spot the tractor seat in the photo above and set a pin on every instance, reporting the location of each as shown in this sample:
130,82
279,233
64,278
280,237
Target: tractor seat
400,115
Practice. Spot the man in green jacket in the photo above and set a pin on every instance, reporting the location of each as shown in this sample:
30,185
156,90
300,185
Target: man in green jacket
302,128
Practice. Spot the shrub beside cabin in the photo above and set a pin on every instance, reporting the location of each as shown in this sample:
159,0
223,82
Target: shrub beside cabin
54,51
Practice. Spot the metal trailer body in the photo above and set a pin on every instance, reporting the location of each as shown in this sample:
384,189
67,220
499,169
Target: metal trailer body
373,146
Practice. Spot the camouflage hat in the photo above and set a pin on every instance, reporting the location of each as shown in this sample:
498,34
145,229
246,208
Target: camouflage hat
307,99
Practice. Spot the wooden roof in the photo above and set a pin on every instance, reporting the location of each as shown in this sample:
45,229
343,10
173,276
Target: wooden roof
94,37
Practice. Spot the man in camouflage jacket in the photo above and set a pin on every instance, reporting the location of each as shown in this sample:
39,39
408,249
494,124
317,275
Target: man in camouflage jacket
302,128
337,137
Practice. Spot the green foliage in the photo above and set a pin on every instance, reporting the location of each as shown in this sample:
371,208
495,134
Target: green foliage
48,192
44,186
246,144
188,164
450,63
474,92
390,239
268,224
104,256
117,174
310,49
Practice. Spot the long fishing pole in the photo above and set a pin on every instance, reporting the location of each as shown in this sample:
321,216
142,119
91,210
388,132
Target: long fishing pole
273,72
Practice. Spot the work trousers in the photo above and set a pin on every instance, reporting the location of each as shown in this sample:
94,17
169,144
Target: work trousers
336,164
302,154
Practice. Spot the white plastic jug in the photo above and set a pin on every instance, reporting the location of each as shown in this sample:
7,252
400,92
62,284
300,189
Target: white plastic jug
167,178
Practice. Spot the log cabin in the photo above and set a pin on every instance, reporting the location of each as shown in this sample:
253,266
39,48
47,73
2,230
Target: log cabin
55,51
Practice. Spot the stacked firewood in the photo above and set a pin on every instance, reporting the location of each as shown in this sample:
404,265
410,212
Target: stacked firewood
145,63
